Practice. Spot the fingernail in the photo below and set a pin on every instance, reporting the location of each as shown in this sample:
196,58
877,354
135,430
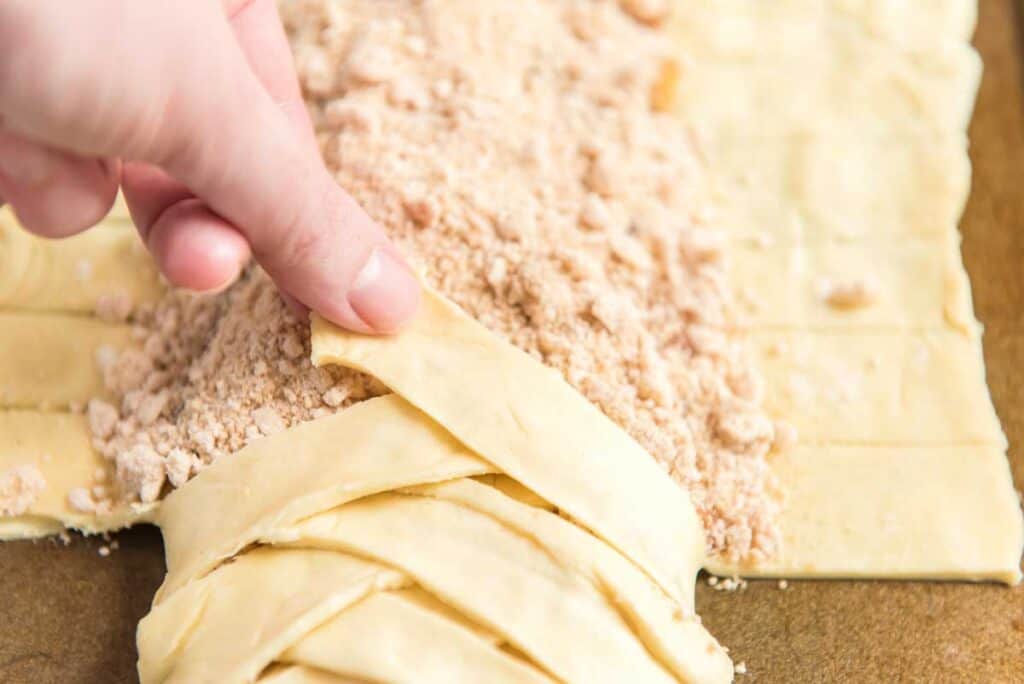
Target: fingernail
385,294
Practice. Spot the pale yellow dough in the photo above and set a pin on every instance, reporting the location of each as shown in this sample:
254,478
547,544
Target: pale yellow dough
50,360
58,445
71,275
918,284
890,387
835,133
533,426
901,512
50,346
394,637
386,549
375,446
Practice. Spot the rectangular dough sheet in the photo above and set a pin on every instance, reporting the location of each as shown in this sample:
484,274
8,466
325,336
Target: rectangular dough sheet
835,133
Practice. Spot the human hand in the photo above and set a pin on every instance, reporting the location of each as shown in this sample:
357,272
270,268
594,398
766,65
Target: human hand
194,108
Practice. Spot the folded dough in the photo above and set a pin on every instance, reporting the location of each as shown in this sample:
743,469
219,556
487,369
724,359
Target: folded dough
378,527
525,419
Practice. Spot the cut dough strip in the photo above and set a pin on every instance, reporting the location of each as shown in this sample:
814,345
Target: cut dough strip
878,388
497,577
375,446
58,444
907,512
300,674
228,626
50,360
916,284
655,618
71,275
391,637
789,185
526,420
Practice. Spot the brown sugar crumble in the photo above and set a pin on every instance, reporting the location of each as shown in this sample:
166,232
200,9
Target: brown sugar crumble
19,488
857,293
519,154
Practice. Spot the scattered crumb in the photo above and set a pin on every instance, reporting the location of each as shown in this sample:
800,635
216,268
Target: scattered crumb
776,348
857,293
179,465
102,418
104,550
20,486
114,308
727,583
786,436
740,668
647,11
783,584
140,470
80,499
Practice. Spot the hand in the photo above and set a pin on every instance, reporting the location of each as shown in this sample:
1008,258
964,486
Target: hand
194,107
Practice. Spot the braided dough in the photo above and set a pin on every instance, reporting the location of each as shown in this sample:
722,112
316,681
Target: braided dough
384,533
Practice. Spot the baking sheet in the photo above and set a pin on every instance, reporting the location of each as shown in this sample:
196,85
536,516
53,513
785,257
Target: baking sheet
69,615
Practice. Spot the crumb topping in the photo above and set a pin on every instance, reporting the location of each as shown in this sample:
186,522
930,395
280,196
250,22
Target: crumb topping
20,486
857,293
520,154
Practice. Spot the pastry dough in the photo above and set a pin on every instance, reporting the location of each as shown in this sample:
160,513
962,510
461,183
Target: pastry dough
72,275
533,426
887,387
521,591
515,533
787,185
836,137
49,344
387,445
50,360
918,285
904,512
58,445
397,636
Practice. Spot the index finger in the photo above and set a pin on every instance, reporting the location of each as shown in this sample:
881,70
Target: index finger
261,36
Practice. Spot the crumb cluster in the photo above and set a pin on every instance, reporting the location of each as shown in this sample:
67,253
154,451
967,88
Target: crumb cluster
19,488
520,155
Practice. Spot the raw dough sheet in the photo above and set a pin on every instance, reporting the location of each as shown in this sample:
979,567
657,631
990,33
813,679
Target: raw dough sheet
836,135
50,349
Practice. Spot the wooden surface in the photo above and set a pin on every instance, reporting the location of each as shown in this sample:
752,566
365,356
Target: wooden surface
68,615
